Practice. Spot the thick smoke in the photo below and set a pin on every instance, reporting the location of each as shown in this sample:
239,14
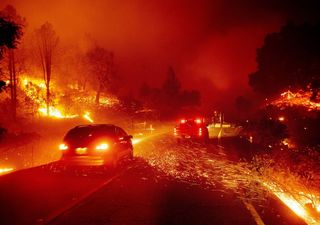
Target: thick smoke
210,43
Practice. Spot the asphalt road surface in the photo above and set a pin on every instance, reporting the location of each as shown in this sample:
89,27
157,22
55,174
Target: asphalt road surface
166,183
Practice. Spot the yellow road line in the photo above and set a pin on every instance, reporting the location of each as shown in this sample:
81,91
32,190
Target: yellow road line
254,213
54,215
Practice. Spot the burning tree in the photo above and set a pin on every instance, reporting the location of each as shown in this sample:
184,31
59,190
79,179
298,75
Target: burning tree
47,41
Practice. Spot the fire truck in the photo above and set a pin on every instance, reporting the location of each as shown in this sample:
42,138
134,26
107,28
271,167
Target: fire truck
194,128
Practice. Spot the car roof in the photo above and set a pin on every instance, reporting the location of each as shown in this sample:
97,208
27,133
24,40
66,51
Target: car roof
96,125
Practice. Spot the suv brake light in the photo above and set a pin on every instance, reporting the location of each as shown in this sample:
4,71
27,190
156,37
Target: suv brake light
102,147
198,121
63,147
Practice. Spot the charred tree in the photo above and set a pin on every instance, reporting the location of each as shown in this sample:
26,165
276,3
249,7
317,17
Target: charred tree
171,86
13,82
101,65
47,41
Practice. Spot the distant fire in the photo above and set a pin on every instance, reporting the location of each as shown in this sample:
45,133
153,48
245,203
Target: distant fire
35,90
300,98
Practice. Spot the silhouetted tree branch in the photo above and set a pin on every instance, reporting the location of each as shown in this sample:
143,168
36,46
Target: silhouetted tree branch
288,59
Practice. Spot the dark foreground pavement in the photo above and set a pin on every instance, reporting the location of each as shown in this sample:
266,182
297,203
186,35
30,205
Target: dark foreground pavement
138,195
142,196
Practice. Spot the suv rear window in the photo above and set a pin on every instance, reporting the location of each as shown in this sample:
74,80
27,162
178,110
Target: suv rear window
88,133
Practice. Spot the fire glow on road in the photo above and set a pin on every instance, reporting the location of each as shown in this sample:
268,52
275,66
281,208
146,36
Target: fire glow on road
194,165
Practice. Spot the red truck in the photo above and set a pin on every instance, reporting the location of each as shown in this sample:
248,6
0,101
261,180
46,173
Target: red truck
194,128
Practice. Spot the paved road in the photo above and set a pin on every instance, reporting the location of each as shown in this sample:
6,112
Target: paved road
165,184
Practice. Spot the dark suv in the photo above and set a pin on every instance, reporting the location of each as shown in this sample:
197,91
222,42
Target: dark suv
98,144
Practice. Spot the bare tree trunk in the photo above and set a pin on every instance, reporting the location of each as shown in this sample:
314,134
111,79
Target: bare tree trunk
84,84
48,101
98,94
47,81
11,78
47,41
13,84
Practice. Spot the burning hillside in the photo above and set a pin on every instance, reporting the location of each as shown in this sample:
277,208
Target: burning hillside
300,99
69,102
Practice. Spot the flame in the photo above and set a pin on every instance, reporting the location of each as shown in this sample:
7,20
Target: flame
54,112
297,203
86,116
299,98
33,81
5,170
289,143
35,89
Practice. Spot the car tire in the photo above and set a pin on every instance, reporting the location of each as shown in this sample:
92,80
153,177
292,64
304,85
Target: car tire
111,162
114,162
131,157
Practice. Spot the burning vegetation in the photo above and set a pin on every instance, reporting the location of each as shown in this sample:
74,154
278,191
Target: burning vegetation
283,174
300,98
287,133
61,106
